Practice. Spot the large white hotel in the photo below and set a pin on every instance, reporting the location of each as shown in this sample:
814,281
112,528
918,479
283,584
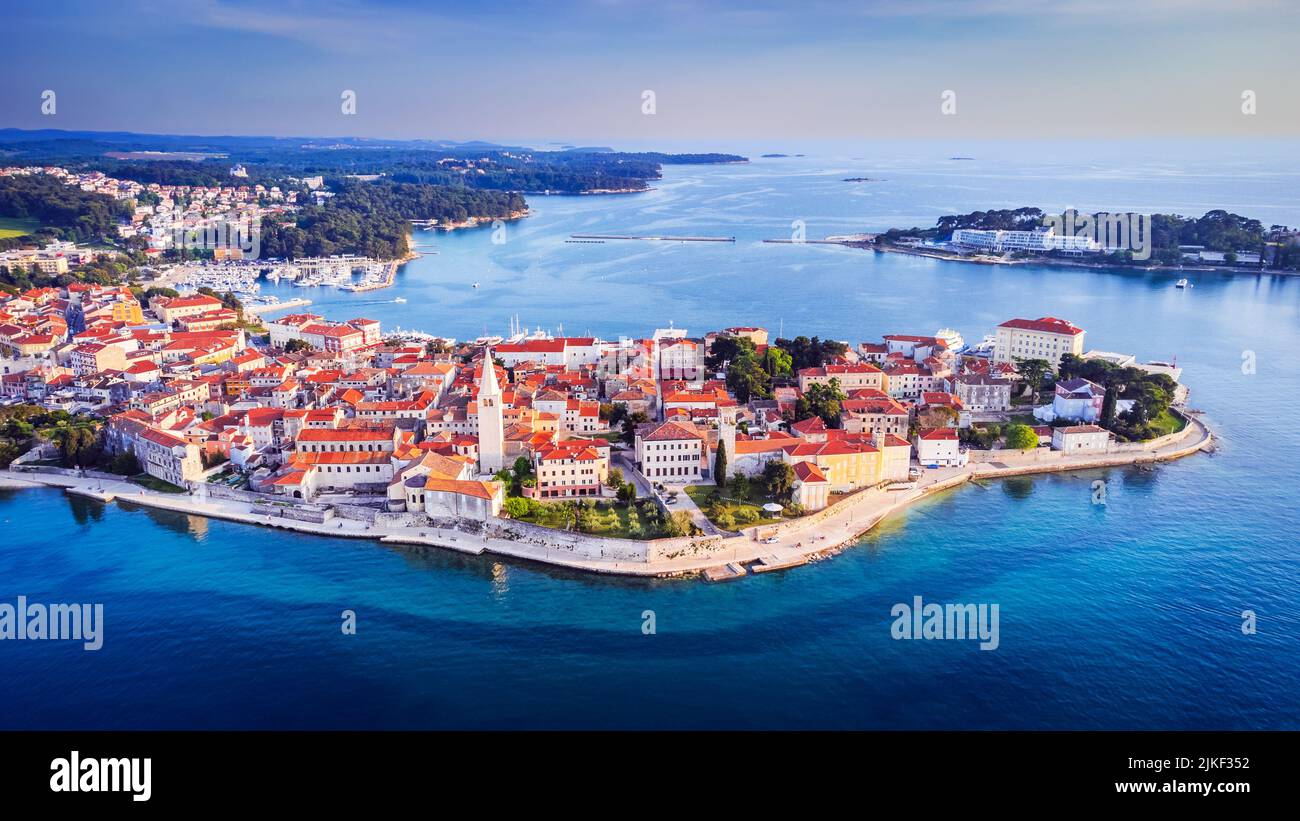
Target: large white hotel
1043,239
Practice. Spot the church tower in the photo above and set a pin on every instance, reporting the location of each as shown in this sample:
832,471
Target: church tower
491,442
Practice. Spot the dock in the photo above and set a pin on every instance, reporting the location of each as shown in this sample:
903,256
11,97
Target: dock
652,238
724,572
774,562
812,241
276,306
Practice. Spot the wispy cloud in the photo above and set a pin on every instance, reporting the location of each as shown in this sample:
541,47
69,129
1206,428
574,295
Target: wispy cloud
339,26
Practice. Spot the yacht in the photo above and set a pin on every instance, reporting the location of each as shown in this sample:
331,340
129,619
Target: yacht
1182,283
400,299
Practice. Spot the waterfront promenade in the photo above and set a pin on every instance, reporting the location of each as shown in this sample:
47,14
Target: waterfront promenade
797,540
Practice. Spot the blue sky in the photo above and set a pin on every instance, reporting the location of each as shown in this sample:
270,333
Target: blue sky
575,70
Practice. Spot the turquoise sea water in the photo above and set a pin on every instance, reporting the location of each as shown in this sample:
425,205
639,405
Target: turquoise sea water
1126,615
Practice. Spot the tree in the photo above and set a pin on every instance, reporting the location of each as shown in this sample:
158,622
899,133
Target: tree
627,493
615,478
821,400
720,465
1021,437
1108,404
678,524
523,467
634,527
294,345
125,464
630,424
747,379
728,349
1033,371
778,479
739,485
777,362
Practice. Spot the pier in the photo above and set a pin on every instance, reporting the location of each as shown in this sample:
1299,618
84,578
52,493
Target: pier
652,238
272,307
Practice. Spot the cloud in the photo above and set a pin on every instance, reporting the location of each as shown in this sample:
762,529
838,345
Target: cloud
340,26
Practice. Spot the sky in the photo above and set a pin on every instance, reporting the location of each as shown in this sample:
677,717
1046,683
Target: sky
578,70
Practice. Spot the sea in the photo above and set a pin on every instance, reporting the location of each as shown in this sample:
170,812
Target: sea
1171,603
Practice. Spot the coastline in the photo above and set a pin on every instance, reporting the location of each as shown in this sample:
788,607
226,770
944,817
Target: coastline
799,541
1053,262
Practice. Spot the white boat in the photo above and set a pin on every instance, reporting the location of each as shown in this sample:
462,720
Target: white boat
400,299
1182,283
475,284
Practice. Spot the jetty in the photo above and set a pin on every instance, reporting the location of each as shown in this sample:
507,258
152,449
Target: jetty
652,238
272,307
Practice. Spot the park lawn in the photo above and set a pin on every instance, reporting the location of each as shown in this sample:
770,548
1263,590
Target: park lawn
1166,423
558,516
17,226
1023,419
154,483
705,495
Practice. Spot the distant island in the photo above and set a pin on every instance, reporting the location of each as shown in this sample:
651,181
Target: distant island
860,179
779,156
1219,238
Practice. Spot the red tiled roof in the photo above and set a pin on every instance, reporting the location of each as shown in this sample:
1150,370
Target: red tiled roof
1046,324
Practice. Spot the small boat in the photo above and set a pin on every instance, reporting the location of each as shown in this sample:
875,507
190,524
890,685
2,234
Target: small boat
1182,283
475,284
400,299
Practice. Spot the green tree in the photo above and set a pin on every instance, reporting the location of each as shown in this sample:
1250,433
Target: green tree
294,345
728,349
777,362
630,424
747,379
720,465
821,400
678,524
778,479
1021,437
739,485
1033,372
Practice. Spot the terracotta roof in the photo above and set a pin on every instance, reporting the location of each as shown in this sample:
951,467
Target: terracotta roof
465,487
1046,324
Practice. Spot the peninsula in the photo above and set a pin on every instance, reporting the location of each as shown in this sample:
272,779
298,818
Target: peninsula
720,454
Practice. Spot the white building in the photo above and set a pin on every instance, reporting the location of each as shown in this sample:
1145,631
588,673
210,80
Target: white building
491,431
1039,240
1043,338
939,447
670,452
1086,438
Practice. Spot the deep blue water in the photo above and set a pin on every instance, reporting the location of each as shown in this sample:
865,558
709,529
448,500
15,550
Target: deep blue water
1126,615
